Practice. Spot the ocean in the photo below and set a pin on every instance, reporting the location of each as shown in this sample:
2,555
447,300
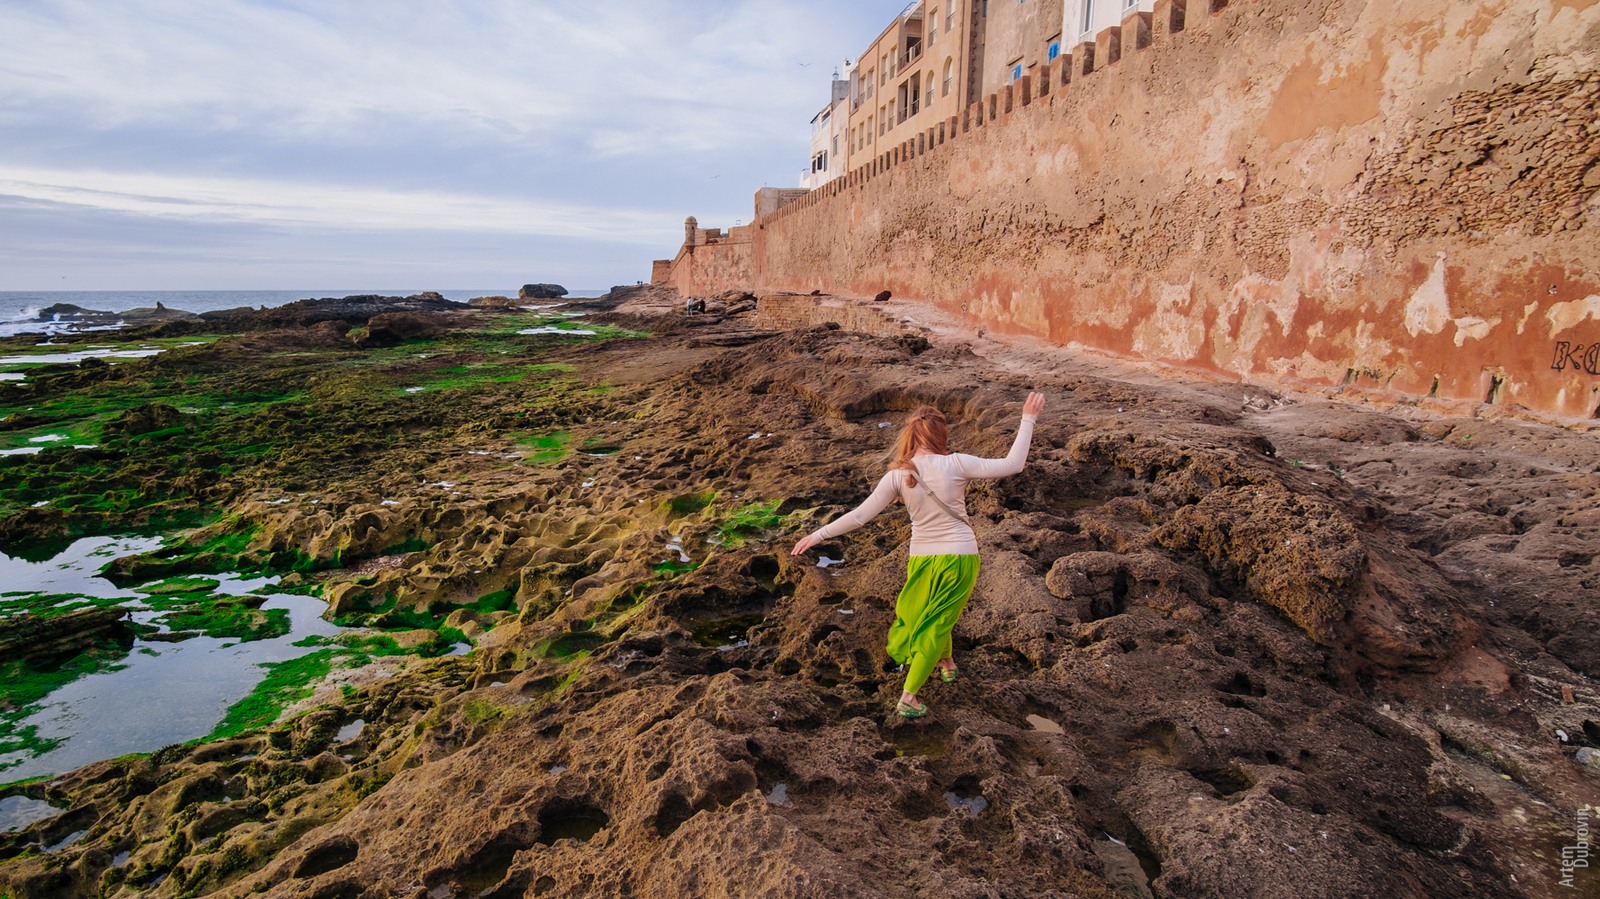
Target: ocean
19,309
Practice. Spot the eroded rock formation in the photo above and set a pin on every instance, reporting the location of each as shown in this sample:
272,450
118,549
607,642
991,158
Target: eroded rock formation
1222,644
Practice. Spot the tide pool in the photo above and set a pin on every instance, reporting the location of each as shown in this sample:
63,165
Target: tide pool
143,693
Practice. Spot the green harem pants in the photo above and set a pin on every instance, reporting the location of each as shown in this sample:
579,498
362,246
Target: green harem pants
937,589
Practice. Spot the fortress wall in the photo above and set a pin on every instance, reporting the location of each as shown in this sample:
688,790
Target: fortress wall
1399,196
711,268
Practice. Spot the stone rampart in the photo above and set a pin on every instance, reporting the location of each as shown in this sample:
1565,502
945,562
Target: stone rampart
710,263
1393,196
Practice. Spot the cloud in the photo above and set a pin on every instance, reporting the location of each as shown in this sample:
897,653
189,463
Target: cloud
588,129
287,203
349,71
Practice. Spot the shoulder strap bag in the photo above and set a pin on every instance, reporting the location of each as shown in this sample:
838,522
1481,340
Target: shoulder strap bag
923,482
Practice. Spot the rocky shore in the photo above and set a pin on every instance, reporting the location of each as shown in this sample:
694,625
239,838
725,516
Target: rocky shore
1224,643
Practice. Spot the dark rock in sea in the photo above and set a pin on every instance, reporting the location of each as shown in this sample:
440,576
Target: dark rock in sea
218,315
541,292
496,302
355,310
90,318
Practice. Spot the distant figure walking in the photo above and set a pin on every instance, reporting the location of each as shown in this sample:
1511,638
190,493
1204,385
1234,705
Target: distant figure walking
944,551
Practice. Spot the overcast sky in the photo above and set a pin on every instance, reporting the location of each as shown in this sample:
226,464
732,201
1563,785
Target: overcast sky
333,144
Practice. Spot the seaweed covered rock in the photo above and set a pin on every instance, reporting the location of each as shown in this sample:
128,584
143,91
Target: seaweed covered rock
32,636
141,420
393,328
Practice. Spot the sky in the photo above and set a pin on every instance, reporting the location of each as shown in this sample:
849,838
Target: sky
416,144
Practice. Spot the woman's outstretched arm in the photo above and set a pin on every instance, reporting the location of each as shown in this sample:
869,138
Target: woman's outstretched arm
888,488
972,467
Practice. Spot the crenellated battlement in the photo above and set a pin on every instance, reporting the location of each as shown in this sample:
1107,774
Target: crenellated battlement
1140,31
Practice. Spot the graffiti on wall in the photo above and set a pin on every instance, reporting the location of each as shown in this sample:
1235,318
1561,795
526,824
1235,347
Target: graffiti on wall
1577,356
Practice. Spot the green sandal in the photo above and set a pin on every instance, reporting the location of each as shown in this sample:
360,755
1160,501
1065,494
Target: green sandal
949,675
907,710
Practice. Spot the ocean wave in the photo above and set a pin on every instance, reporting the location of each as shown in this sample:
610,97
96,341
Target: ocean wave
28,314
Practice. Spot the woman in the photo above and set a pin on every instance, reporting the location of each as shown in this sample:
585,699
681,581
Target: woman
944,551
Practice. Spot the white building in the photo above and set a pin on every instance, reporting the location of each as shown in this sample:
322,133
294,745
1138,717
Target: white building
828,130
1081,20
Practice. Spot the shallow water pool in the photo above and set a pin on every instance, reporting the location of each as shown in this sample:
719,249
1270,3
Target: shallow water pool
160,692
17,812
79,356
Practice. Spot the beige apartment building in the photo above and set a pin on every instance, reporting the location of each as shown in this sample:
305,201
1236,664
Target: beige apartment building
1019,38
937,57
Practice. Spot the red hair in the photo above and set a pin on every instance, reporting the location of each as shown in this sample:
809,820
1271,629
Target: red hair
925,432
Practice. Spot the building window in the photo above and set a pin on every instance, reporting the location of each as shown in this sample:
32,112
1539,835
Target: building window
1129,4
949,76
1016,71
950,17
1088,17
836,145
933,26
1055,50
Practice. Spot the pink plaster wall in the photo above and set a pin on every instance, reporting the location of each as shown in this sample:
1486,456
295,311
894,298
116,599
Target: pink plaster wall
1390,195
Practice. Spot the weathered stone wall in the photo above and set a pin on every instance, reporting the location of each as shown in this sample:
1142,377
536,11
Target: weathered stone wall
711,267
1399,196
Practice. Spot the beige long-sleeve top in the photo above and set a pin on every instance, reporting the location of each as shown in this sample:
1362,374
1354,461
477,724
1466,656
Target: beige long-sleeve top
933,531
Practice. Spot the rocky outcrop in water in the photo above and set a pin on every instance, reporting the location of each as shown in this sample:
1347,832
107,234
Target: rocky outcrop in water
352,309
32,636
80,317
541,292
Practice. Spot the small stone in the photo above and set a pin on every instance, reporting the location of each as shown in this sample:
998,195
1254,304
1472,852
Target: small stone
1588,756
1566,695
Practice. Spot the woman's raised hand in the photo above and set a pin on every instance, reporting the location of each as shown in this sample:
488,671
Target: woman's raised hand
805,543
1034,405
